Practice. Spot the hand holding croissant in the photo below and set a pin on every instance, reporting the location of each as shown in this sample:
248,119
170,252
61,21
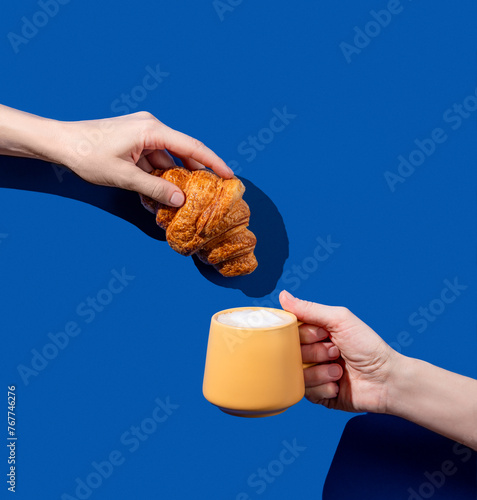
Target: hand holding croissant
212,223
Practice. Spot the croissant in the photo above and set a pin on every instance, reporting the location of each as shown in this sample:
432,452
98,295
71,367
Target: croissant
212,223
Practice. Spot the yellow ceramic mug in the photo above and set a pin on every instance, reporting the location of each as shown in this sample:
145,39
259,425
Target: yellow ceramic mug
254,372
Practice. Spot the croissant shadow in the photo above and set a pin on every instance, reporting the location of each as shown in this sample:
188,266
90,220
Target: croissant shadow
266,222
271,250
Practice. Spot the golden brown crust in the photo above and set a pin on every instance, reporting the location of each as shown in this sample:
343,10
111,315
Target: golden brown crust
178,176
229,191
238,241
238,215
200,192
238,266
212,222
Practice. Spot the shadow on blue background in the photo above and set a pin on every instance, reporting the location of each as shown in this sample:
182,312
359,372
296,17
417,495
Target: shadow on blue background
266,221
271,250
381,456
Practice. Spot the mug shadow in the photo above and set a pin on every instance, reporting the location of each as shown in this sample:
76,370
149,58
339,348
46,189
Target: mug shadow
380,456
265,221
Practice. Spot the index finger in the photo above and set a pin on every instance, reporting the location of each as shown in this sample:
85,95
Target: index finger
183,145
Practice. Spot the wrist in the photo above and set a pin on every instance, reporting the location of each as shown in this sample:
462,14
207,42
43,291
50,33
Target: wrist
50,141
401,384
30,136
63,147
80,140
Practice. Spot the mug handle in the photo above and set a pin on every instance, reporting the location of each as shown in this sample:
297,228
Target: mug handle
306,365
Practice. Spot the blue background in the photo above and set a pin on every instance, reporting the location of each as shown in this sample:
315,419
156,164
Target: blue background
324,173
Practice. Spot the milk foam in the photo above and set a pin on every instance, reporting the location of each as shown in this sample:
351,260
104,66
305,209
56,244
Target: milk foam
253,318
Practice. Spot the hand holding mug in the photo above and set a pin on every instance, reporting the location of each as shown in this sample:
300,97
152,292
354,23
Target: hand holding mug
357,382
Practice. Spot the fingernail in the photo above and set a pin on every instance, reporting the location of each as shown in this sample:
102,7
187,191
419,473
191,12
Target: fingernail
229,173
177,199
288,295
334,371
333,352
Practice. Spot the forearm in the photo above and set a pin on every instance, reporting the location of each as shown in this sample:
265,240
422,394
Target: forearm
30,136
437,399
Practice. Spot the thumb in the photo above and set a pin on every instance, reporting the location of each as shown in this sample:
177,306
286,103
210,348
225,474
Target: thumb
310,312
156,188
